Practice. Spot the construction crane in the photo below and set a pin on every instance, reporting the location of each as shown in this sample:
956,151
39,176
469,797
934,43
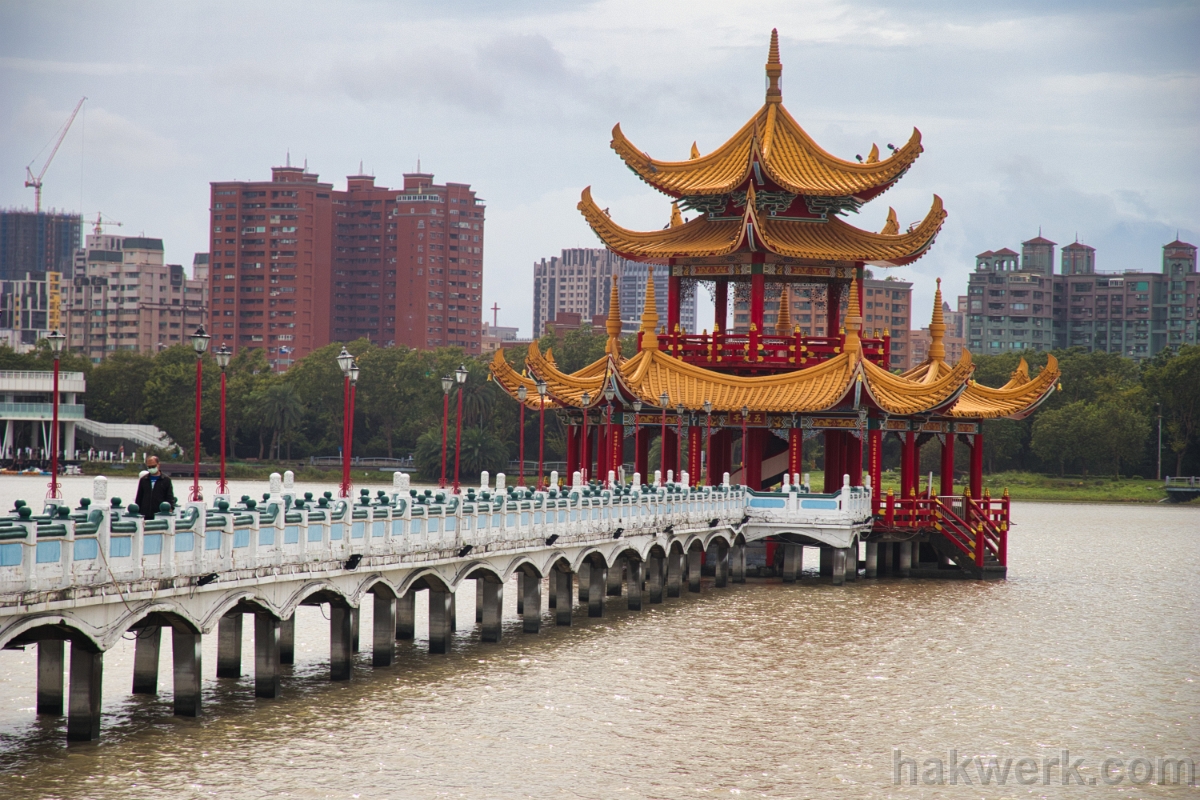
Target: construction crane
99,223
36,182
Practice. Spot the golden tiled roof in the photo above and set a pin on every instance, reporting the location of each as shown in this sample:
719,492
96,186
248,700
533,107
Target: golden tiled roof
786,152
896,394
1016,399
832,240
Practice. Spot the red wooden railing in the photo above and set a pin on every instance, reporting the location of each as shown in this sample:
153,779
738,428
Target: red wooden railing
754,349
974,525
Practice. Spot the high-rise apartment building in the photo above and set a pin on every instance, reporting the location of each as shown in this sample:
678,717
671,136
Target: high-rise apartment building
124,297
952,339
303,265
1130,312
580,282
33,242
29,308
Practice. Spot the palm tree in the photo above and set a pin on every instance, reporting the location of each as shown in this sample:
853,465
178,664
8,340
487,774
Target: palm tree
280,410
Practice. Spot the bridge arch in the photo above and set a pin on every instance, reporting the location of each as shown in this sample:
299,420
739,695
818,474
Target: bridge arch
369,584
475,570
318,590
231,600
54,626
427,578
525,564
590,555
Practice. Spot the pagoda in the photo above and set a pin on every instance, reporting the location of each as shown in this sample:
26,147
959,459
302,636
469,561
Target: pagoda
769,206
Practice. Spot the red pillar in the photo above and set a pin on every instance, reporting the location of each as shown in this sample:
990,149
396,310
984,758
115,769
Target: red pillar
667,451
833,461
596,455
572,451
673,290
754,456
641,463
833,309
875,464
853,450
602,454
721,305
977,464
616,448
947,486
758,291
908,444
795,450
695,447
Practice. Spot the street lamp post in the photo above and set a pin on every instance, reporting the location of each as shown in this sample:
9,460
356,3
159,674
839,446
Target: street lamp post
57,341
664,401
460,375
350,424
447,385
541,390
345,361
637,409
200,341
223,355
609,394
708,442
584,400
745,414
1158,472
522,393
679,454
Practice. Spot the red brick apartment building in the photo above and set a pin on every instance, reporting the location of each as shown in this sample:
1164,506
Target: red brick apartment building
297,265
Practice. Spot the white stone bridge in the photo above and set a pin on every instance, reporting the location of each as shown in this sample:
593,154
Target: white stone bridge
91,574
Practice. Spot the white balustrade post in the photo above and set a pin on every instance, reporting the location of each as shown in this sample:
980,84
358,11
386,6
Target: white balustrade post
612,479
657,478
576,480
499,483
554,478
725,480
484,479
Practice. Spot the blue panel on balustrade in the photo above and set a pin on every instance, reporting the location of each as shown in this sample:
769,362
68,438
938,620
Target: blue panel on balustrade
397,527
451,524
418,526
185,542
151,544
524,519
10,555
510,520
768,502
314,533
336,531
358,530
826,504
120,546
212,540
291,534
435,525
266,536
86,549
379,529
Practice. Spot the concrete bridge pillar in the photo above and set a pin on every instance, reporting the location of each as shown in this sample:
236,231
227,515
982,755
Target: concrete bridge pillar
229,645
185,653
479,600
694,558
491,607
885,557
852,562
520,594
453,611
83,705
721,567
287,640
737,556
839,564
904,559
406,615
674,574
615,573
562,612
440,632
145,659
383,639
597,578
532,614
872,559
341,632
792,553
50,675
654,579
354,617
585,581
634,587
551,592
826,561
266,655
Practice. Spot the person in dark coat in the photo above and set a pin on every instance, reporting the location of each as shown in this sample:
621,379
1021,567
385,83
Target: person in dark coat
154,489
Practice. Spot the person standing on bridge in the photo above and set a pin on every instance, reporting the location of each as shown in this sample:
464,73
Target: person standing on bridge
154,488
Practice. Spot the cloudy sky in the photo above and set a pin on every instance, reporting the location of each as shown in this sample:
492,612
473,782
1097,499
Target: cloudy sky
1078,117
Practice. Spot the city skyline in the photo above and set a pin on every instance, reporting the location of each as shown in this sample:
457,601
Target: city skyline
1077,134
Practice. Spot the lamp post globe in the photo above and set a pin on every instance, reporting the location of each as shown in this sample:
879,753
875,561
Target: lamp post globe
57,340
200,341
344,361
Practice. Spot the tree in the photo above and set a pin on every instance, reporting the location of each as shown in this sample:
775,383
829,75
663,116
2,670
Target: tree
1055,432
116,388
1173,380
280,411
1118,430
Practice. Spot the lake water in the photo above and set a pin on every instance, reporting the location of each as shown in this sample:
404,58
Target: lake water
759,690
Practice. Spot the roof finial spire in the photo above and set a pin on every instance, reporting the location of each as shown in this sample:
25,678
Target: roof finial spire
783,322
613,325
676,217
937,327
650,313
853,318
774,70
288,158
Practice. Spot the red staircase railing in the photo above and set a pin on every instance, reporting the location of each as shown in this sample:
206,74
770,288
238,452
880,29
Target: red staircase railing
975,526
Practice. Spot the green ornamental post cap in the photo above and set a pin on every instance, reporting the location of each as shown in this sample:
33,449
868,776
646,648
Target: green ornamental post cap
133,510
24,512
63,512
18,504
164,508
266,496
116,502
84,502
328,495
308,496
250,504
323,502
223,505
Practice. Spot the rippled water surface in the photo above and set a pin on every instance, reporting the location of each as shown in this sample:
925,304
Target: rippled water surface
760,690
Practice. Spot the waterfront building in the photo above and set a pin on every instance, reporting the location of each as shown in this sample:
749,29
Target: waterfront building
30,308
124,297
27,413
770,203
